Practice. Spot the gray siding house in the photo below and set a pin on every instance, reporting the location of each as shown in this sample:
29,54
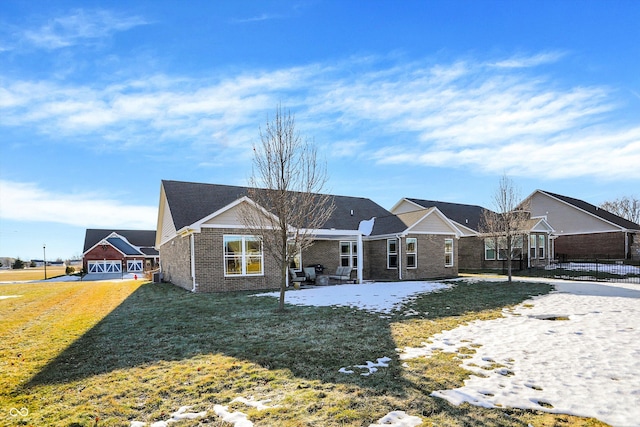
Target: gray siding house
204,247
584,230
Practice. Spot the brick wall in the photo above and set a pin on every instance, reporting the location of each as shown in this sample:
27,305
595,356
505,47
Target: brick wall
471,253
600,245
209,266
176,262
325,252
431,259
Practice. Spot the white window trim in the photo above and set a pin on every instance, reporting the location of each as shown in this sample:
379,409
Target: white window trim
414,252
486,247
353,253
389,253
451,264
244,256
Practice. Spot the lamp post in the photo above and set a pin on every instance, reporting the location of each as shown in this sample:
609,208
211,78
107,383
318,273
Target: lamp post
44,251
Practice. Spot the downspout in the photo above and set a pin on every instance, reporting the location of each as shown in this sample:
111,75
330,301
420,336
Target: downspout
193,263
626,245
360,257
399,237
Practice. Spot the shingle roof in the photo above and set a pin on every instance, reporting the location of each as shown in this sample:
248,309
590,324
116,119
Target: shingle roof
190,202
139,238
594,210
123,246
467,215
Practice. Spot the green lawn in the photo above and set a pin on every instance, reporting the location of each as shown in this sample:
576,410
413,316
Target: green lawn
98,354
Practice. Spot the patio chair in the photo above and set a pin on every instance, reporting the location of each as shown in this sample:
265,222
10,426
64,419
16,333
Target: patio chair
297,276
310,273
343,274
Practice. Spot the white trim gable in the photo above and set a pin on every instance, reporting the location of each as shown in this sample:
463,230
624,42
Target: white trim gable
165,227
106,242
431,223
542,226
228,211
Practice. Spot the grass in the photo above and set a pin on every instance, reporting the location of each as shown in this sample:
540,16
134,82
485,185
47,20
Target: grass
103,354
36,273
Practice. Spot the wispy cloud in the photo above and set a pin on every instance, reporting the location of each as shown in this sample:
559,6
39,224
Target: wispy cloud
526,61
457,114
258,18
79,26
28,202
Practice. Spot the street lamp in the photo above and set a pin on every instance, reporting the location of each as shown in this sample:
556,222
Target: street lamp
44,251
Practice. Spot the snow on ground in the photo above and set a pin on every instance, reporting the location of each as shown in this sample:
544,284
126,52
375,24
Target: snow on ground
9,296
378,297
370,367
586,365
398,419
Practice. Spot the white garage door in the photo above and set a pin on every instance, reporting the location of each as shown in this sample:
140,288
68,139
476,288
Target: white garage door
134,266
106,266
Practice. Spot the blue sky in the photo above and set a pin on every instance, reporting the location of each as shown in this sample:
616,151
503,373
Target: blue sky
101,100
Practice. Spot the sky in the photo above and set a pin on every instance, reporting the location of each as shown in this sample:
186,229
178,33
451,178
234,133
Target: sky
101,100
524,360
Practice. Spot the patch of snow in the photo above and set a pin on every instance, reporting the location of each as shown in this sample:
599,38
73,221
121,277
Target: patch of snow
398,419
238,419
180,414
380,297
9,296
588,365
370,367
258,404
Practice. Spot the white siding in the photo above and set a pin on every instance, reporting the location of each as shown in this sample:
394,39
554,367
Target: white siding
229,218
432,224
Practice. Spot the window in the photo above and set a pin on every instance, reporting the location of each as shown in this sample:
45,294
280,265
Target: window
349,254
243,256
392,253
412,252
541,246
533,239
489,249
448,252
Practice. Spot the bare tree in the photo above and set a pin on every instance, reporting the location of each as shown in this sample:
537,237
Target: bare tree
285,188
625,207
506,225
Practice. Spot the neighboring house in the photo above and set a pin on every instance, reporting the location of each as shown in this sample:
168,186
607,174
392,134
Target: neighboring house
119,251
204,246
584,230
476,251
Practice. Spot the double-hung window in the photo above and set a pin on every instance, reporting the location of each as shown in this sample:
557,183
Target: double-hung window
448,252
243,256
392,253
412,252
537,246
349,254
489,249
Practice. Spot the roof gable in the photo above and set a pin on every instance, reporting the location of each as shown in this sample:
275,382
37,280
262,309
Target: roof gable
138,238
430,221
592,210
466,215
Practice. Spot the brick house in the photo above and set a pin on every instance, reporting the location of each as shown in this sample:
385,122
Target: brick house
478,252
584,230
204,247
119,251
